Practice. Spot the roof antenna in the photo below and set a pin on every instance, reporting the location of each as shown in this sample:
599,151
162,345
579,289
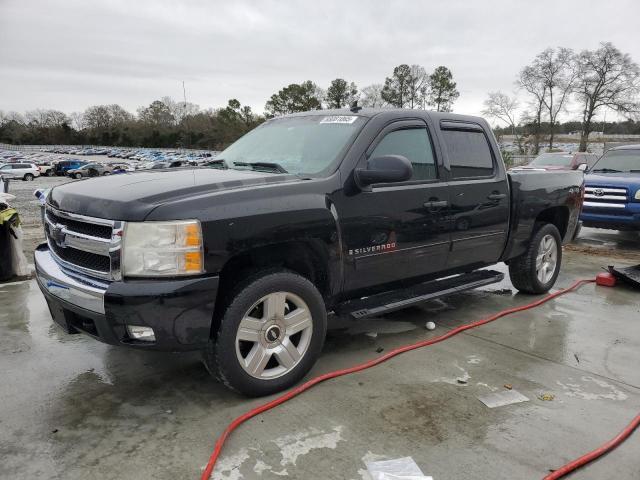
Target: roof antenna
354,107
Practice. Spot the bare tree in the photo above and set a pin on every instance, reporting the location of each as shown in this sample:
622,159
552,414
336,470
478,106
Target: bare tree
372,96
418,86
180,110
557,70
42,118
530,80
77,120
504,108
607,78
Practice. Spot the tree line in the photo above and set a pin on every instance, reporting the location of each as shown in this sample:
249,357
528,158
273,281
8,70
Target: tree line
594,80
172,124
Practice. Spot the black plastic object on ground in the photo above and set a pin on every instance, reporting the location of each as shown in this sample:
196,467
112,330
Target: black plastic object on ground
630,275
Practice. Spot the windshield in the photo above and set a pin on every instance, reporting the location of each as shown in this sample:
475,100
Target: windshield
300,145
619,161
553,159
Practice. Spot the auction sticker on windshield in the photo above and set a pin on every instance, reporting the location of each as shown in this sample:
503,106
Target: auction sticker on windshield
339,119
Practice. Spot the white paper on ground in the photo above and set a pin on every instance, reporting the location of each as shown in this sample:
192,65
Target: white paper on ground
501,399
398,469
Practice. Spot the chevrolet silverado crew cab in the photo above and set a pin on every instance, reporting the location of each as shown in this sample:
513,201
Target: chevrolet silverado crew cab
353,212
612,190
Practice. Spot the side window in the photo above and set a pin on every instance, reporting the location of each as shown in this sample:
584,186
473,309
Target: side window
5,167
469,153
415,145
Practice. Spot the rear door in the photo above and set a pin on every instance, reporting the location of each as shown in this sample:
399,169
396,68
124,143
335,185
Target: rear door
479,194
20,169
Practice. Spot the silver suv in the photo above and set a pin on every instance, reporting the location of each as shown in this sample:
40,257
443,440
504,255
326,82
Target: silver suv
25,171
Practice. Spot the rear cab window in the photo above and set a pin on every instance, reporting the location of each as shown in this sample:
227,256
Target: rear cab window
469,153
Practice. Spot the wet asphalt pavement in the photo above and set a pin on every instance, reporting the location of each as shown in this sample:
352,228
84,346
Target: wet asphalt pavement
72,408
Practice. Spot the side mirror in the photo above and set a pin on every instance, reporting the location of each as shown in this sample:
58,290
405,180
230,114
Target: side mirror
385,169
583,167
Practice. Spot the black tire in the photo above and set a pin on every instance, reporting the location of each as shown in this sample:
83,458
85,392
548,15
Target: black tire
77,176
522,270
28,177
221,358
106,173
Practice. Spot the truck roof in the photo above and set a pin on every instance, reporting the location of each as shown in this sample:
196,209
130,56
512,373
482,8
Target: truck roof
399,112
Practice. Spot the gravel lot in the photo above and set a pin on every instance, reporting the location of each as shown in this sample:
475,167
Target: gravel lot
28,205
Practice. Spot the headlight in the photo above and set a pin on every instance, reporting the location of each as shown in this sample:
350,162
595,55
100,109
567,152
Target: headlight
152,249
637,197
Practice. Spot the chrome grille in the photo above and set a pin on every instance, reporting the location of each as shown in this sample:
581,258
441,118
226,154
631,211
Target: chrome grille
87,245
605,197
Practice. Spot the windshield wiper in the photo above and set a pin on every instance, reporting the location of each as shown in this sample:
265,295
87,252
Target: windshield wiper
218,163
606,170
276,167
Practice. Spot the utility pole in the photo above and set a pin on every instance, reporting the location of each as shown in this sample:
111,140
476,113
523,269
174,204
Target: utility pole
184,112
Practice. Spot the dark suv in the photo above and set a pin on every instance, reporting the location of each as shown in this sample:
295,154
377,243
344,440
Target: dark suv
61,167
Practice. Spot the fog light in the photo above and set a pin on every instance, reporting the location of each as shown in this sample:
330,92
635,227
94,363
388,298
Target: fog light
145,334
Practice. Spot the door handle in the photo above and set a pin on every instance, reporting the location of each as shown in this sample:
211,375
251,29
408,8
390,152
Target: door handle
436,204
496,196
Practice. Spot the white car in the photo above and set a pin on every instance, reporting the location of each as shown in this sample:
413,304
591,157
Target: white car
25,171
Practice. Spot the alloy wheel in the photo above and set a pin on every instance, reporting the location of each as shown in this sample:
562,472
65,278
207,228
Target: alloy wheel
547,259
274,335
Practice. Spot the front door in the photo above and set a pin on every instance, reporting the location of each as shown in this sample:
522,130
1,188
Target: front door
397,231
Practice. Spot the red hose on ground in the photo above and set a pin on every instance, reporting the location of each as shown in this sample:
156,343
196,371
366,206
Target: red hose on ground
206,474
598,452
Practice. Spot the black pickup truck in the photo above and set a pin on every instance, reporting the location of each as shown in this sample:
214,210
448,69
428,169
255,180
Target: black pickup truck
355,212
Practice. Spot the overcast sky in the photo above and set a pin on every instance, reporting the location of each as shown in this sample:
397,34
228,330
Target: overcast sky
71,54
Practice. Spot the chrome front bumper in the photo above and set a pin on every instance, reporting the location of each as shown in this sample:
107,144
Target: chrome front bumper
62,285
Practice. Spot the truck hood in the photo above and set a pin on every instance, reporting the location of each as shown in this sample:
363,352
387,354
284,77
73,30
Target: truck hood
132,196
613,180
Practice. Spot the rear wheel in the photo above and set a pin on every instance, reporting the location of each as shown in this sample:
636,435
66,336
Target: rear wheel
270,335
537,269
28,177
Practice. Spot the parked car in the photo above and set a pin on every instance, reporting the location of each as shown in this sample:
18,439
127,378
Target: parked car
45,169
62,166
25,171
612,190
89,170
351,211
562,161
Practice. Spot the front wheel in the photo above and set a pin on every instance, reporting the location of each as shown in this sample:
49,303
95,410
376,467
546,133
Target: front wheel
270,335
537,269
77,176
28,177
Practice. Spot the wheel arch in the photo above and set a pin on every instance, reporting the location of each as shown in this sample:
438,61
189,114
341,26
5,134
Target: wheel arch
558,216
308,258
